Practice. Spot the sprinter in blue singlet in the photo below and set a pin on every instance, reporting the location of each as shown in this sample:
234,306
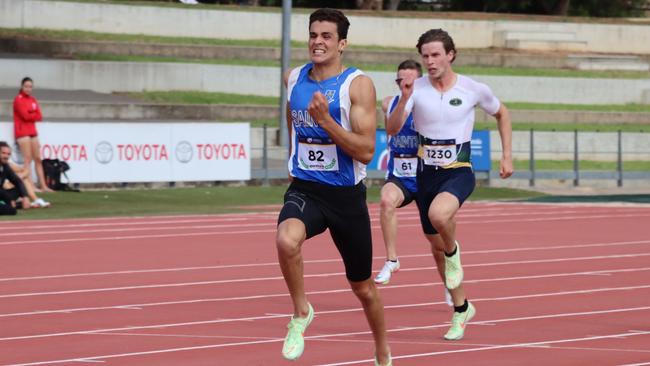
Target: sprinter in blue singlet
332,121
400,187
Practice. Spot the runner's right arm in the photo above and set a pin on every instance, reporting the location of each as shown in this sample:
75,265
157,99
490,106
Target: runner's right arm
399,115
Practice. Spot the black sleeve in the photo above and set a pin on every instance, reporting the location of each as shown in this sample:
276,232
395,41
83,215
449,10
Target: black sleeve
16,181
6,208
4,197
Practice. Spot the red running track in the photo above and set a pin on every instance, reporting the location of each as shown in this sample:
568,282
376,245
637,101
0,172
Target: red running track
553,285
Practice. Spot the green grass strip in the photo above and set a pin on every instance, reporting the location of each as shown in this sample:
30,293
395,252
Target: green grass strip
630,198
199,97
637,166
581,107
560,73
473,70
77,35
230,98
565,127
191,201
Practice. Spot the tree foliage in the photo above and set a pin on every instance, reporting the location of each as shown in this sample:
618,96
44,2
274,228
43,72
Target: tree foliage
593,8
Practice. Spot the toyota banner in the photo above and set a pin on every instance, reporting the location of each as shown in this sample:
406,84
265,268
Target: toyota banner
145,152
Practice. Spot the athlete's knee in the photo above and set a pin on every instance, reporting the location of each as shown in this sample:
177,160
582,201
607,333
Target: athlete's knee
364,290
439,218
287,245
289,239
387,204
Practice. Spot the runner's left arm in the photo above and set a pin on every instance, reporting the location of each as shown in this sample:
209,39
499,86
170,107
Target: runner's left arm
504,124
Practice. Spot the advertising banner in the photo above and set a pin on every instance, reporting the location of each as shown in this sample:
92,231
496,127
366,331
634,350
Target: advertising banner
481,150
101,152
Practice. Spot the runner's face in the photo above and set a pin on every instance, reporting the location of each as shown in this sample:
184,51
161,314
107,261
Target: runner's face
406,74
5,153
27,87
435,60
324,43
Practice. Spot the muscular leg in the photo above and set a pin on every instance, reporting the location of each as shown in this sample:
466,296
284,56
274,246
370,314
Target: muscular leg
367,293
442,212
437,249
438,254
290,236
391,198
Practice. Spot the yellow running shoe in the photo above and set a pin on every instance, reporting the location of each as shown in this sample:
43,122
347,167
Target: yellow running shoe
294,343
453,270
459,322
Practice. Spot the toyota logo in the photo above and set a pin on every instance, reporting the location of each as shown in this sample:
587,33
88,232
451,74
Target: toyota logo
184,152
104,152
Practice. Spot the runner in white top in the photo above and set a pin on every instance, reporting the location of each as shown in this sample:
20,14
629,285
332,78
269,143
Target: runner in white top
442,104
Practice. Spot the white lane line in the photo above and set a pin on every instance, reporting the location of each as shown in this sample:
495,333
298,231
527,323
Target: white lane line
89,361
369,341
169,350
131,237
344,290
184,336
320,313
275,278
61,228
515,345
155,220
464,344
244,232
84,229
533,219
148,228
71,225
337,260
469,207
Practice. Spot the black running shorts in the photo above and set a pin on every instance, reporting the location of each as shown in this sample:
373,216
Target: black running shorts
408,195
343,210
431,181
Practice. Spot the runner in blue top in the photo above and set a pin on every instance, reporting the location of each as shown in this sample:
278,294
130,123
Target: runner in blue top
331,117
400,187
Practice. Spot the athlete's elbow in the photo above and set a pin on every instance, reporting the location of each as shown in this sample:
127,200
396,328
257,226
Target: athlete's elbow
391,131
366,157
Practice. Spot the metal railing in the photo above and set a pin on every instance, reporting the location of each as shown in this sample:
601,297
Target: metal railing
577,174
271,162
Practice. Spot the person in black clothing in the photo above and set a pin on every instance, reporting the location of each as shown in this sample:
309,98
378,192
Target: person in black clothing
7,199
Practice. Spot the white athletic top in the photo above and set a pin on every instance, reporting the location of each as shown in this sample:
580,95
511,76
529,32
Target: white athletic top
449,115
